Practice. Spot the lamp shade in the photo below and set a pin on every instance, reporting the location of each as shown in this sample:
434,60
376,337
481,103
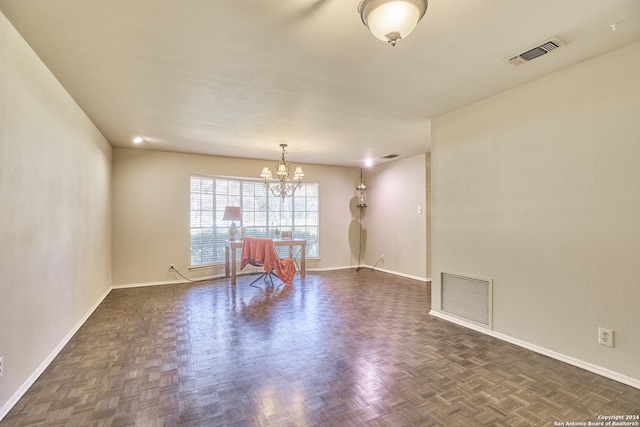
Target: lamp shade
282,170
266,173
392,20
232,213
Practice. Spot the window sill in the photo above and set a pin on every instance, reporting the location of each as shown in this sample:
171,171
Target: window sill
221,264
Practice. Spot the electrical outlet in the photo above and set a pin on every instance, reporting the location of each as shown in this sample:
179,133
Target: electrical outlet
605,337
1,365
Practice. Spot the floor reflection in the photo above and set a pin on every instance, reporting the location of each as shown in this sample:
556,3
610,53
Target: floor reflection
261,305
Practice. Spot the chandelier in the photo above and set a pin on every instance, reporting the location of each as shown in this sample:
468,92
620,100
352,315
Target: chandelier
283,188
391,20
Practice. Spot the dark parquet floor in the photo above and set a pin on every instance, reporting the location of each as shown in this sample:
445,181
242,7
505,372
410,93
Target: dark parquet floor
339,348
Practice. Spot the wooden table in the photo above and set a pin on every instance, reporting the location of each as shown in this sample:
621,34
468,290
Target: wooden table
230,247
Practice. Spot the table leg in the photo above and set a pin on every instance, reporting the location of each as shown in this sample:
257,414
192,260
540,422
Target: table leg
226,261
233,266
303,262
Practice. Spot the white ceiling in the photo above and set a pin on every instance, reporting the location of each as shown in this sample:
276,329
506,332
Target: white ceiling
239,77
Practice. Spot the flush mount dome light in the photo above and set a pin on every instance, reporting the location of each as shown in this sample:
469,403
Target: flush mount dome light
391,20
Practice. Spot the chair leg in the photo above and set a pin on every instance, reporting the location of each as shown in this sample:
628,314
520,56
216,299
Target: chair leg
259,277
270,279
268,276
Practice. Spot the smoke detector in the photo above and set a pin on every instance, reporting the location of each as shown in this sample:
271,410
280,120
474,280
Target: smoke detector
535,52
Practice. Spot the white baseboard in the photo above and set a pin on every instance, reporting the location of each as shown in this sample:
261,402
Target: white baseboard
348,267
344,267
166,282
607,373
4,410
396,273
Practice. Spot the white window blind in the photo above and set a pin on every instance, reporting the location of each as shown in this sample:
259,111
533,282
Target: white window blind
263,215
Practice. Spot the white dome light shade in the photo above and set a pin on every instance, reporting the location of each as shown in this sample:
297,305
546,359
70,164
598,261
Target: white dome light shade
391,20
396,16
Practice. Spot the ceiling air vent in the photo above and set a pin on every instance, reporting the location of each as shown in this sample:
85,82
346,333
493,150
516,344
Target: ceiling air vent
390,156
534,52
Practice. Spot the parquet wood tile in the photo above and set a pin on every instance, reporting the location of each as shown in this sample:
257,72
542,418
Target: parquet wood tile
339,348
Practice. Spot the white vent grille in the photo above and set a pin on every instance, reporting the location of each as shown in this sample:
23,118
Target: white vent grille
467,297
534,52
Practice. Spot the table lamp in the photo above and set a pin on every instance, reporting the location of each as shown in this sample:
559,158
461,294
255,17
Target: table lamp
233,214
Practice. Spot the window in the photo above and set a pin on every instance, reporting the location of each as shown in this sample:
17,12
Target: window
263,215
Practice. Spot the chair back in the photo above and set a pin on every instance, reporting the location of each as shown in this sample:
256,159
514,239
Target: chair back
263,253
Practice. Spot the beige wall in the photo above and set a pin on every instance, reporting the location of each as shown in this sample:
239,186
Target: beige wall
392,225
151,212
55,236
537,188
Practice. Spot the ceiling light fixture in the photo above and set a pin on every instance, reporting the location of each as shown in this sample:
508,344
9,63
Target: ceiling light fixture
138,140
283,188
391,20
362,193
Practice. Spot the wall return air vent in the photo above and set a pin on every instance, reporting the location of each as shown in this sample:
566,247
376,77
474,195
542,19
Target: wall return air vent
535,52
467,298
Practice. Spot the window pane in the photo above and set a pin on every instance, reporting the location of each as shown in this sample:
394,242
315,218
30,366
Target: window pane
195,219
195,183
261,219
286,220
312,218
195,201
221,186
206,201
287,204
274,204
206,219
207,186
